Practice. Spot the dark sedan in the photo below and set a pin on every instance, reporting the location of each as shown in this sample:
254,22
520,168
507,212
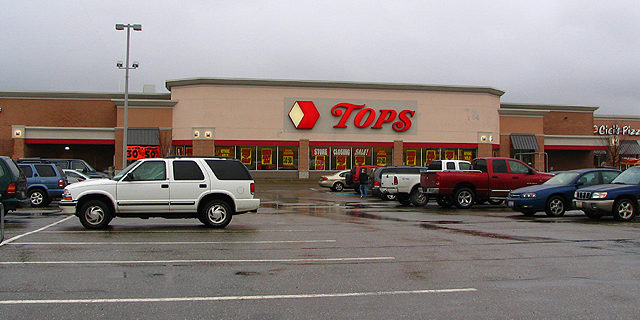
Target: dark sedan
554,196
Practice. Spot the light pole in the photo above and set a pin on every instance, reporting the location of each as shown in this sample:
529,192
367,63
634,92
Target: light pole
126,67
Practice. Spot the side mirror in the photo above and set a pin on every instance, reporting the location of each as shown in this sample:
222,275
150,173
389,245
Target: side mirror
579,183
128,177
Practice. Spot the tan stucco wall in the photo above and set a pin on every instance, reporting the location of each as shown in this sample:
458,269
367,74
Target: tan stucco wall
258,113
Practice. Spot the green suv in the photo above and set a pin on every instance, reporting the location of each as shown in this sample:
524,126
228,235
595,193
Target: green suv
13,184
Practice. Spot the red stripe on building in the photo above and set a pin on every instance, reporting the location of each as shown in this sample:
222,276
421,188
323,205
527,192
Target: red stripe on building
586,148
440,145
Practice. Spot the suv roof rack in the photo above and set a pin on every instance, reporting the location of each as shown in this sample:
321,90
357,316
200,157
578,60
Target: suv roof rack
33,160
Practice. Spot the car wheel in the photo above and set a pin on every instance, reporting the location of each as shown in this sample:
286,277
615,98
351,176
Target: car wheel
444,202
216,214
337,187
95,214
555,206
38,198
624,210
528,213
403,199
418,198
495,202
464,198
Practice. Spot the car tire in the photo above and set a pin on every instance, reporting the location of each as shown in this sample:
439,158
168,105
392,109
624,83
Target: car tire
216,214
555,207
337,187
95,214
418,199
38,198
404,199
624,210
444,202
464,198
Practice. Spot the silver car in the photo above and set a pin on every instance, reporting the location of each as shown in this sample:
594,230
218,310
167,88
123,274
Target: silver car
335,181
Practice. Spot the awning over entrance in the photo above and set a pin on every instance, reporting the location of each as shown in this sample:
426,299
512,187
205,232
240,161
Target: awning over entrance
143,137
629,147
524,142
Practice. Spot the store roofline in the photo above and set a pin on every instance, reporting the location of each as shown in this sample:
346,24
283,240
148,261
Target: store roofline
615,117
548,107
327,84
65,95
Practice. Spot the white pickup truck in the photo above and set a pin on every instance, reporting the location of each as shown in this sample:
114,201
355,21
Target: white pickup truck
404,182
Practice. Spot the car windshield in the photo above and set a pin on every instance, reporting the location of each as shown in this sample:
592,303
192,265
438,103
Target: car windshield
562,179
629,176
123,172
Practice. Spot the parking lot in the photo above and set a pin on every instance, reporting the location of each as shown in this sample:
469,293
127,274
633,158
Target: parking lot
314,254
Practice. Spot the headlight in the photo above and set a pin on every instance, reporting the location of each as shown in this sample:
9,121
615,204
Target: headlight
598,195
529,195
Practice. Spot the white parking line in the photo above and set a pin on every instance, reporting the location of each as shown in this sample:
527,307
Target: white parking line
113,231
195,261
34,231
237,298
167,242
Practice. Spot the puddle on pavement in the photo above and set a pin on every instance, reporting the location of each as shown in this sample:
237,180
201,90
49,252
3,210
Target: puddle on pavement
432,226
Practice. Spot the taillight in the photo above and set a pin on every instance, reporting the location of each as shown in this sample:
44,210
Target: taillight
437,180
376,183
253,188
395,180
61,183
11,188
324,178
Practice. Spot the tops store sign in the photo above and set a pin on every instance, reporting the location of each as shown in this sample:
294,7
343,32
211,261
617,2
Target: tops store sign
349,116
605,130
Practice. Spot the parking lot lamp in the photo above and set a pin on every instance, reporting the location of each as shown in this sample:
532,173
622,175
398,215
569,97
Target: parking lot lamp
126,67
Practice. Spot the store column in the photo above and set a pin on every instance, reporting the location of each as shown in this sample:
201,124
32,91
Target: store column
203,143
303,159
17,133
398,152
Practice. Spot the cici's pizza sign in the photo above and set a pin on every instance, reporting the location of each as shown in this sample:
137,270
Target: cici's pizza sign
332,115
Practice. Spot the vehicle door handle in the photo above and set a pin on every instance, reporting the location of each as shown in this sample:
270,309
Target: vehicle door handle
516,178
495,177
164,186
203,185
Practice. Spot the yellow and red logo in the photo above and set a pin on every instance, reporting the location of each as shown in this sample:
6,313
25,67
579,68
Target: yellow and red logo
304,114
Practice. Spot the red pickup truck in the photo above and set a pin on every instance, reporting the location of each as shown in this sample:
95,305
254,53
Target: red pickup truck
491,180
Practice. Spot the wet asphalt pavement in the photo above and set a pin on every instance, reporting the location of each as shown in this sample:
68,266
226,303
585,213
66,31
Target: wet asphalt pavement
313,254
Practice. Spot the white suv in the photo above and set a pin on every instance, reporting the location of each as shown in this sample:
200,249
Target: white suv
210,189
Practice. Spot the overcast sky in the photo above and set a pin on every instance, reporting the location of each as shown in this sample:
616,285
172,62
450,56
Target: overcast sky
543,52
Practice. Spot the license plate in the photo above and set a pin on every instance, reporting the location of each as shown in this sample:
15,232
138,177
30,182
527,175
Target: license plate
578,204
510,204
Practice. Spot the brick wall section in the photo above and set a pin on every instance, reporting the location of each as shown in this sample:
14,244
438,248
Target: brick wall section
398,153
52,113
203,147
568,123
303,155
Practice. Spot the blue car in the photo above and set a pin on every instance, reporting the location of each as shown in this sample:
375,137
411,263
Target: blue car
555,195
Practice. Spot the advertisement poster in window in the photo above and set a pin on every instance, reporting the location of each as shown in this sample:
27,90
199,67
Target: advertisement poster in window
179,150
381,157
341,162
411,157
431,155
245,156
142,152
450,155
267,156
320,158
361,155
467,155
360,160
188,151
287,157
225,152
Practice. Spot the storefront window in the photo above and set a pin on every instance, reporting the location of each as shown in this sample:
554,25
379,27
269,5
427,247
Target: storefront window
467,154
383,156
225,151
430,155
340,158
362,156
319,158
288,158
266,158
247,155
183,150
412,157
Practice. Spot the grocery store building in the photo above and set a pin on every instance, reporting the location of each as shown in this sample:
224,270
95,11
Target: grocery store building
301,129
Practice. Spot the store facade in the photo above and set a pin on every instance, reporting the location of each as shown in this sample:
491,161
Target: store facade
302,129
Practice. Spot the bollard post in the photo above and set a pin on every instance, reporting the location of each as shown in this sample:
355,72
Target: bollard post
1,222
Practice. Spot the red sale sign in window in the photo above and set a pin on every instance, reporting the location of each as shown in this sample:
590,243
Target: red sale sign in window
142,152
